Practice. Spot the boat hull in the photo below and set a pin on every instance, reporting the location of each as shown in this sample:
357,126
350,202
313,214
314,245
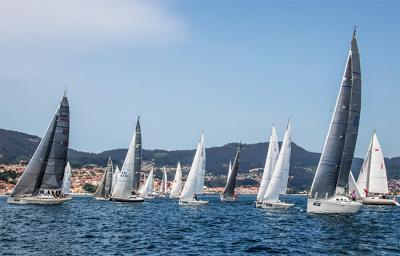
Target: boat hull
193,203
132,199
101,198
228,199
379,201
37,200
275,205
332,205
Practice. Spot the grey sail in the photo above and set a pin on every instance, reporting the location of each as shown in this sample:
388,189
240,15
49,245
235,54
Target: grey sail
354,116
54,172
104,187
229,189
31,180
331,161
138,157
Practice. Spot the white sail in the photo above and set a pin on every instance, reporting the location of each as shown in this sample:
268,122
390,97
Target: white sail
147,187
164,182
123,185
270,162
353,189
279,174
189,188
177,184
66,186
114,177
202,167
372,178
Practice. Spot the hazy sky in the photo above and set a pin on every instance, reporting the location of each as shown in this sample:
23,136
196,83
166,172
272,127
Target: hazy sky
230,68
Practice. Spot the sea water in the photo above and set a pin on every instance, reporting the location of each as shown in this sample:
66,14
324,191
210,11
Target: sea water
84,226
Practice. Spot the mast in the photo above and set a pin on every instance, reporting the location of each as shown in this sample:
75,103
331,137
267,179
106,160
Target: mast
138,156
229,189
327,175
33,176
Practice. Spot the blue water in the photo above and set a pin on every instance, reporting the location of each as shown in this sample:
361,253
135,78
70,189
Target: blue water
85,226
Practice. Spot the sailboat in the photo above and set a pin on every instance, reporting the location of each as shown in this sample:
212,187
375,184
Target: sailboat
123,188
177,184
146,191
114,177
229,195
372,179
66,186
164,184
280,175
329,191
197,171
103,190
354,191
42,179
270,162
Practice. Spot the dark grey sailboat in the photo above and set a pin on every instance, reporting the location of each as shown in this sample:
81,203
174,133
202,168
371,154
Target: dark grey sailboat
103,191
42,179
138,158
228,195
330,186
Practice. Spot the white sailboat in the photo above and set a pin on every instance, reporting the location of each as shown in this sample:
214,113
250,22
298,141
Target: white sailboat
66,186
177,184
191,187
329,191
164,184
270,162
279,179
372,179
146,191
122,191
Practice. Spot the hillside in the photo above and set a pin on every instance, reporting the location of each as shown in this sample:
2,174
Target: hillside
16,146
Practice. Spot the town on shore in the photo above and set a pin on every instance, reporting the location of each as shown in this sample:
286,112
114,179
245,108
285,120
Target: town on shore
85,180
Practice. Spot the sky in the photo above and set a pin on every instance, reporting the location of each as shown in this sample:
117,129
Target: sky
229,68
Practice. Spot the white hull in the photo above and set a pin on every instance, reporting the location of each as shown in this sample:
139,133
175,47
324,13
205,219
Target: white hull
102,198
193,202
132,199
37,200
378,201
228,199
339,204
275,205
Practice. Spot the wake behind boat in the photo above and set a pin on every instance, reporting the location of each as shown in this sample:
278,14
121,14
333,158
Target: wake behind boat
42,180
193,181
329,191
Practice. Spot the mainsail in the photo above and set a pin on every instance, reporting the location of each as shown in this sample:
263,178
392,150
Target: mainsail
372,177
114,177
147,187
66,186
229,189
177,184
138,156
270,162
338,150
189,189
279,177
105,185
164,182
202,167
46,167
123,185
